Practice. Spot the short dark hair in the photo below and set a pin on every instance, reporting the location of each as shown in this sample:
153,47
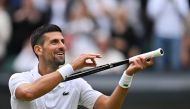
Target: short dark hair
37,35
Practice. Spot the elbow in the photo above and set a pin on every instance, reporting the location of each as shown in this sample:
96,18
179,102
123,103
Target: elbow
25,95
29,96
110,105
106,106
103,103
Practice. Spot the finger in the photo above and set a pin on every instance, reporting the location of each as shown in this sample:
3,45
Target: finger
143,62
92,57
90,65
146,61
151,62
93,60
140,62
95,55
134,61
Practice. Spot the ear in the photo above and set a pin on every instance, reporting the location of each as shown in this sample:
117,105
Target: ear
38,50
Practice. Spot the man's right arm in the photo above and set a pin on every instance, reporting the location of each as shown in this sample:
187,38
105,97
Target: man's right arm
43,85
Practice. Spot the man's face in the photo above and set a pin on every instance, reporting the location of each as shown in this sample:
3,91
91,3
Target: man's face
54,48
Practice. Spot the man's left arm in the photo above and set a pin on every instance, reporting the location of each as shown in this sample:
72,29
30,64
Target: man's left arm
117,98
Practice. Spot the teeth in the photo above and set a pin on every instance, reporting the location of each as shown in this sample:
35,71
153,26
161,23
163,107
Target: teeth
60,53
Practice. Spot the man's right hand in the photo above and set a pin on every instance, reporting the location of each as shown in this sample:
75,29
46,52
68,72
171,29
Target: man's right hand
85,60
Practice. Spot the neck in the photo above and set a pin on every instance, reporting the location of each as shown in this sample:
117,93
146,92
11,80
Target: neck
46,68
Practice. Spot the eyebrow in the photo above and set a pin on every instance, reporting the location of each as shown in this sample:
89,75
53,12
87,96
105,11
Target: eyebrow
62,40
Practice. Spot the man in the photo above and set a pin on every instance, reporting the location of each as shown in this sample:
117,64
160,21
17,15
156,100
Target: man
41,88
168,17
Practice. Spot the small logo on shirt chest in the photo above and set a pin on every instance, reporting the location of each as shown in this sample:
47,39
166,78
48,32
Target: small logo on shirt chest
65,93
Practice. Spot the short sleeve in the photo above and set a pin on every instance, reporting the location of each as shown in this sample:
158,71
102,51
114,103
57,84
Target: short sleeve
88,95
16,80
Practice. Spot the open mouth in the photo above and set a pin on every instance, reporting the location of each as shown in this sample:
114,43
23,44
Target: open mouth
60,54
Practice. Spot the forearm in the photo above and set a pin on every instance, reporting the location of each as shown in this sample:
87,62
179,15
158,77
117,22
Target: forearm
40,87
46,83
117,98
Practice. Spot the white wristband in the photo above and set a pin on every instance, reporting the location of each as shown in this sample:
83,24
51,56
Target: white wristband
125,81
65,71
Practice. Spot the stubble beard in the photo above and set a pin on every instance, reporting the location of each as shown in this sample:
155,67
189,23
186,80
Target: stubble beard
54,61
59,61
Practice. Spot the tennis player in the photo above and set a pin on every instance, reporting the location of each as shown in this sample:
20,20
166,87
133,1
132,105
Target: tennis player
41,88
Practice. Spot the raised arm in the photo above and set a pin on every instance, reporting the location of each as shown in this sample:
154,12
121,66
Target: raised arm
117,98
43,85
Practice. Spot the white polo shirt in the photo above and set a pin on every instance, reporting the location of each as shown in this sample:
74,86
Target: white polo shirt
67,95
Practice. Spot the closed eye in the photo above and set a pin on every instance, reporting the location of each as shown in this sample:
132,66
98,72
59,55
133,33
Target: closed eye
54,42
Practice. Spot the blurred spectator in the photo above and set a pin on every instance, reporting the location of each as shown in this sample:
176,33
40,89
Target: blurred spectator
25,60
102,11
25,19
123,35
41,5
5,29
148,27
133,10
168,17
58,12
80,26
185,45
109,54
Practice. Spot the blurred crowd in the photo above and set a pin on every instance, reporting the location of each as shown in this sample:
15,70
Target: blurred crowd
117,29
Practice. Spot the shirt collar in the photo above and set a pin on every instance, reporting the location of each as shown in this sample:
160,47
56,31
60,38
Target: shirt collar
36,75
35,72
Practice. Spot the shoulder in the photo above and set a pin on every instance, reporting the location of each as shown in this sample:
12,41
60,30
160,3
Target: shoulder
20,75
18,79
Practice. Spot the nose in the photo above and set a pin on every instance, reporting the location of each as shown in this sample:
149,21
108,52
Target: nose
62,45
